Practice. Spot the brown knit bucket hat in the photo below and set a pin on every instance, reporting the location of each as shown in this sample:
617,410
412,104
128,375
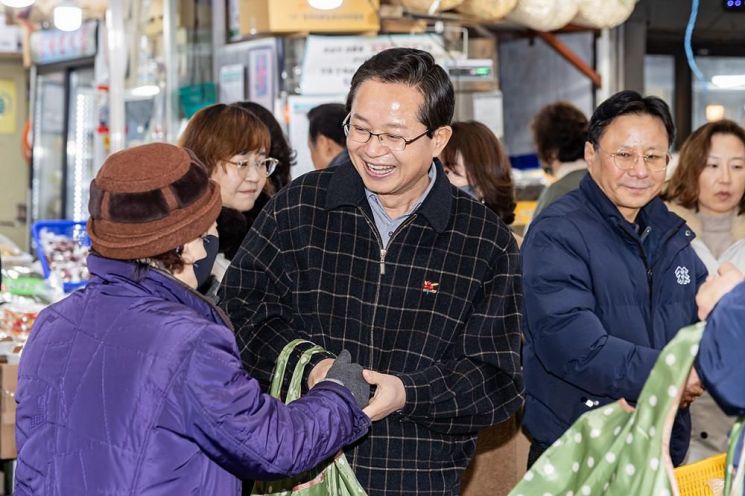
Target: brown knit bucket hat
150,199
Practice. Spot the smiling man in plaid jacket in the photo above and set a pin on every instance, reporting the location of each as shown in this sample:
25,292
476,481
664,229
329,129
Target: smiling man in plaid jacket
383,257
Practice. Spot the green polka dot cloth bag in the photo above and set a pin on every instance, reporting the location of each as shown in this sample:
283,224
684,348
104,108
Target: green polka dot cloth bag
334,477
617,450
733,482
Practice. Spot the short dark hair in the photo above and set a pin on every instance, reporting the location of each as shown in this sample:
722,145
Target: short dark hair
683,187
415,68
171,261
326,119
629,102
560,132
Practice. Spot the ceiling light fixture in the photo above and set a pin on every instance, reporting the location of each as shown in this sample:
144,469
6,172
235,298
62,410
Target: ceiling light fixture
145,91
325,4
730,81
68,16
714,112
17,4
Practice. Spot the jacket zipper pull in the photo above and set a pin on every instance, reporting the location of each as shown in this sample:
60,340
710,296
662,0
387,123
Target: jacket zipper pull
382,261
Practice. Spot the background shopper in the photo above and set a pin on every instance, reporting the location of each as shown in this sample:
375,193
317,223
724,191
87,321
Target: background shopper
233,144
326,139
559,134
707,190
475,161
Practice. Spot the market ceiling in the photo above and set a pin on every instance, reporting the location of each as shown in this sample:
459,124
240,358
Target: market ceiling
667,19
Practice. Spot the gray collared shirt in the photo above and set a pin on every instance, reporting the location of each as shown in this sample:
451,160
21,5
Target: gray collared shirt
387,226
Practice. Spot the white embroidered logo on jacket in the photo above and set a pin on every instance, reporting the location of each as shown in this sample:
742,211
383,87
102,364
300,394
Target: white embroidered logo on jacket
681,273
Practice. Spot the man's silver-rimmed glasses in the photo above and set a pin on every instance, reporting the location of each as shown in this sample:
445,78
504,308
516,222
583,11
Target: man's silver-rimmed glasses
627,160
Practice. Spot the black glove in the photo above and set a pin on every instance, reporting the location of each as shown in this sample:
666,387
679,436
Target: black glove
350,376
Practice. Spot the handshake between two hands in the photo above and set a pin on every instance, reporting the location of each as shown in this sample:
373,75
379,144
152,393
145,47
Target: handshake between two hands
389,396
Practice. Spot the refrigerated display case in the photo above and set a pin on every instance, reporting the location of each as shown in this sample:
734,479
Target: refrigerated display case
64,121
49,136
81,119
63,132
168,72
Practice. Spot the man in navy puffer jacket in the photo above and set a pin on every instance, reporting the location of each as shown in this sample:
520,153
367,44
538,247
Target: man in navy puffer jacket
609,277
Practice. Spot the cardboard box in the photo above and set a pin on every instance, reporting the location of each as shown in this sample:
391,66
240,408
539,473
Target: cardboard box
293,16
8,382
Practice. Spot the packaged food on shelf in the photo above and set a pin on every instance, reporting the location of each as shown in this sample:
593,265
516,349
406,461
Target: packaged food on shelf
18,318
24,280
62,247
11,254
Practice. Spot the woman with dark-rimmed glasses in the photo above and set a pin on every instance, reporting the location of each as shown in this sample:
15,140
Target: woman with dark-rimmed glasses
233,144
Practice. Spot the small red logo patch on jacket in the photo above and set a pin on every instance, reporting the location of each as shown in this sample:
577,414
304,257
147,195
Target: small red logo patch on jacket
430,287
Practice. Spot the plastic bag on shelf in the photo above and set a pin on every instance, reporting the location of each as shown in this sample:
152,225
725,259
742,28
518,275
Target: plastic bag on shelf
544,15
428,6
600,14
490,10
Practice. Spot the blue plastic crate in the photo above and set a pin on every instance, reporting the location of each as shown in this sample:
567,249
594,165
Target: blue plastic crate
74,230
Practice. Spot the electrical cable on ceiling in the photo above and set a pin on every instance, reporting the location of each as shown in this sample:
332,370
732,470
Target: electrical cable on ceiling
687,42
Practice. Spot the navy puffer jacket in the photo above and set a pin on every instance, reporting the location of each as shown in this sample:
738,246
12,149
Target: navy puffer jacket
602,298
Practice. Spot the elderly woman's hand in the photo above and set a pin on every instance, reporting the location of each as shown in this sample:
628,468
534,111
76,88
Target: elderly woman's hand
715,287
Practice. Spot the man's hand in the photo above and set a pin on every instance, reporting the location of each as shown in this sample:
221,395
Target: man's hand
319,372
715,287
390,395
693,389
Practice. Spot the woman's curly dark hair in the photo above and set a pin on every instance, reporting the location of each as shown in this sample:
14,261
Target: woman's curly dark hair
560,132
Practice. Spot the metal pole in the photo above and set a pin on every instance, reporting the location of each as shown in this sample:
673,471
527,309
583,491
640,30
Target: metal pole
604,66
169,47
219,35
32,201
117,58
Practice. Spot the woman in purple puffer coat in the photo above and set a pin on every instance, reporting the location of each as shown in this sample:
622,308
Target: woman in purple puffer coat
134,385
